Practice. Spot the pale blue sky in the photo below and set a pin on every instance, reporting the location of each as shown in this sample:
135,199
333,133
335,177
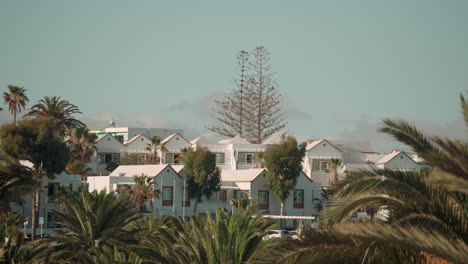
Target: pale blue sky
342,65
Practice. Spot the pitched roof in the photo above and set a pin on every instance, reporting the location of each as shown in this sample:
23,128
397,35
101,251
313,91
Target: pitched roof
278,136
374,158
315,143
234,140
200,141
138,170
103,136
392,155
274,139
350,145
136,137
177,168
389,157
167,139
240,175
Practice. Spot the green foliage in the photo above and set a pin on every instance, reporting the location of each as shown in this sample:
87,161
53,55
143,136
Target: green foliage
284,164
153,147
145,189
244,204
16,100
15,179
222,239
36,141
61,110
95,221
82,147
12,246
204,178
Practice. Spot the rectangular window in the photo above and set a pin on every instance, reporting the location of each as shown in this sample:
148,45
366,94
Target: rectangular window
263,200
241,194
167,196
219,158
173,158
298,198
246,157
222,197
52,220
52,189
321,165
108,158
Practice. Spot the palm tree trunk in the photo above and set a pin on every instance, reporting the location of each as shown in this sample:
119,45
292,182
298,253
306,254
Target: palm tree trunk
282,208
141,205
35,210
14,117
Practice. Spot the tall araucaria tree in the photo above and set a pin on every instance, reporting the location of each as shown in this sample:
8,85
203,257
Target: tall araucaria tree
38,142
204,178
264,113
253,110
62,110
16,100
284,164
230,111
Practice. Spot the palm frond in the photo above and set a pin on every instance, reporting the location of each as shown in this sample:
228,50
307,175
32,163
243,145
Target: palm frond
435,243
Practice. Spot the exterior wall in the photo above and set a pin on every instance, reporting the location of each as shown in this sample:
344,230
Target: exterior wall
99,183
130,132
46,204
311,190
138,145
402,161
323,151
228,155
109,144
176,144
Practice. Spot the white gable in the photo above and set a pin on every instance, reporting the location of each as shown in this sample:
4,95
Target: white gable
323,149
108,143
400,161
175,143
138,144
138,170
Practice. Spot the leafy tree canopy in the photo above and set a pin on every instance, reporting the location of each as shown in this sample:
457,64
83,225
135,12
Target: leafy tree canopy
284,164
36,141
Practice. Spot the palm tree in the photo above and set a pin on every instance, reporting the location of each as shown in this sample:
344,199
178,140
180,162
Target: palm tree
93,221
427,212
335,165
145,189
61,110
222,239
12,246
16,100
328,246
81,150
15,180
153,147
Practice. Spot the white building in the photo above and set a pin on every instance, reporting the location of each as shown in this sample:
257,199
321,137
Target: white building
170,180
125,134
48,203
